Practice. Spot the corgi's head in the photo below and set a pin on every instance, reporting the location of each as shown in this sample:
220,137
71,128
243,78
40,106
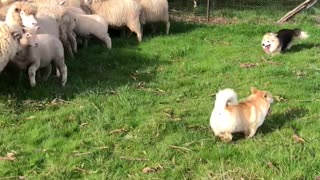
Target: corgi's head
270,43
265,95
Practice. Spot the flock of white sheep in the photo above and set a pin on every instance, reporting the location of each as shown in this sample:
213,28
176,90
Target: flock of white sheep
35,33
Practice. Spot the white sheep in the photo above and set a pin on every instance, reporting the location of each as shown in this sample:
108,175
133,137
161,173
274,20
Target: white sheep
92,24
9,45
47,25
67,23
119,13
4,6
38,51
21,14
73,3
155,11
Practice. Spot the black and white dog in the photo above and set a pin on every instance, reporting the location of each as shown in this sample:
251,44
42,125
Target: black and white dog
273,43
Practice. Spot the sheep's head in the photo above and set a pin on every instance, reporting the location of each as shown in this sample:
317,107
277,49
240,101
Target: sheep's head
29,37
23,14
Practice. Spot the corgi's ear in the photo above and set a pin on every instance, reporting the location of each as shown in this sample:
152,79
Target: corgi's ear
253,90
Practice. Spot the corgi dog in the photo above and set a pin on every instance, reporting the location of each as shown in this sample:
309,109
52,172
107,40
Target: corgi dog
230,116
274,43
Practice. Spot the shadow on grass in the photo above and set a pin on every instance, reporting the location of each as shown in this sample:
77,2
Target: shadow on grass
278,120
300,47
94,70
126,38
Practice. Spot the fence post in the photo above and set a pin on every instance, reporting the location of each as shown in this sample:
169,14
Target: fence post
208,10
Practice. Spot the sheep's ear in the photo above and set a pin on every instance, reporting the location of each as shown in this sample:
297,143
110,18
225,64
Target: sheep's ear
16,35
24,30
61,2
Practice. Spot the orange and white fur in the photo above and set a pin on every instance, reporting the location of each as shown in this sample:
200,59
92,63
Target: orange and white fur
229,116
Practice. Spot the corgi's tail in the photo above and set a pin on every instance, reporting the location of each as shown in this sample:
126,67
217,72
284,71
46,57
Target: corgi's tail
223,97
301,34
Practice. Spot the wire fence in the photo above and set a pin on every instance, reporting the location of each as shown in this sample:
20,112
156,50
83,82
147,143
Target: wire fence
232,8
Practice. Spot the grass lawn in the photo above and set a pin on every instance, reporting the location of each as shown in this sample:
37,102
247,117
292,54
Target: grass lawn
149,104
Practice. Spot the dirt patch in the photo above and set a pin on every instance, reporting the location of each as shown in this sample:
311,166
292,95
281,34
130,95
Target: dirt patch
203,20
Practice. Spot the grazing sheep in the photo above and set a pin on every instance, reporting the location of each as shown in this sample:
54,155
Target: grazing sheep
119,13
38,51
66,21
92,24
8,43
156,11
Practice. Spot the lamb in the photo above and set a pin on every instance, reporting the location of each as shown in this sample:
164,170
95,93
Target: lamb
156,11
92,24
66,21
119,13
9,45
38,51
47,24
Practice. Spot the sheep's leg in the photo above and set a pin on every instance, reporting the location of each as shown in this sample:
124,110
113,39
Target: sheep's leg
167,27
153,27
85,42
58,74
63,70
32,73
123,32
66,44
136,27
129,34
73,41
141,28
106,39
46,73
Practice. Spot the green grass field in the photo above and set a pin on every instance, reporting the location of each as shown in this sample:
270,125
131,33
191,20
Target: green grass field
149,104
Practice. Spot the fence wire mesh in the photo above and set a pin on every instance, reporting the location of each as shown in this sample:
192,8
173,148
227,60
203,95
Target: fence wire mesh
233,8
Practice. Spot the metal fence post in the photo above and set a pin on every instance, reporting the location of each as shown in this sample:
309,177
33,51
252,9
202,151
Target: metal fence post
208,10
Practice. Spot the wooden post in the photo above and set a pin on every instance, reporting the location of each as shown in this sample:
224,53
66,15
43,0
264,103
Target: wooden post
208,10
305,5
